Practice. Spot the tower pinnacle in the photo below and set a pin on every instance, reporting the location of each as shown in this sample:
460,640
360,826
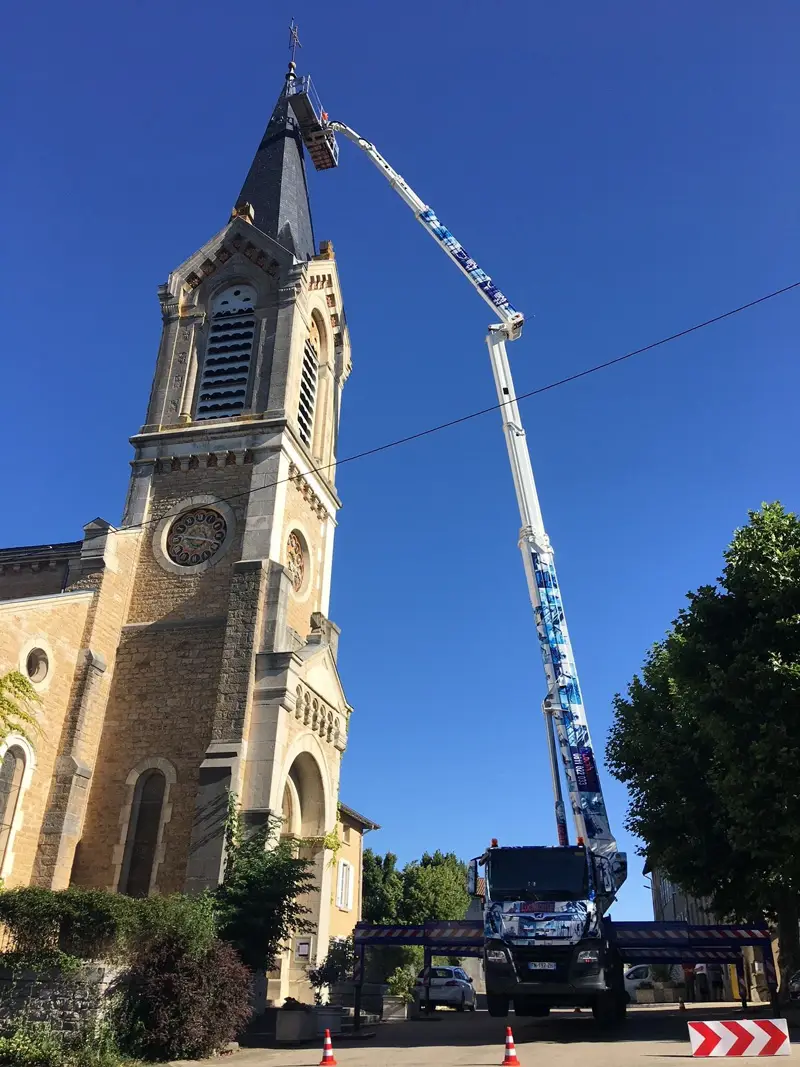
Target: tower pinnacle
275,185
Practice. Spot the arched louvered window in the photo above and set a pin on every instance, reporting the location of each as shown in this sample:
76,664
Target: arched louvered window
229,350
308,386
12,770
143,830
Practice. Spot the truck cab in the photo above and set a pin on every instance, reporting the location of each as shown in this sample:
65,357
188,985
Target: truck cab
546,942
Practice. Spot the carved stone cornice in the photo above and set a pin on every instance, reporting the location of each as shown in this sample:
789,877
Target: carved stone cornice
307,492
226,250
312,711
231,458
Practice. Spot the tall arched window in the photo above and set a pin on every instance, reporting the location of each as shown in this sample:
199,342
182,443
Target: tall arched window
143,830
12,770
308,385
229,351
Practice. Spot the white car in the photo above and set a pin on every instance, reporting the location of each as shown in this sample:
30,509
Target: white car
634,976
450,987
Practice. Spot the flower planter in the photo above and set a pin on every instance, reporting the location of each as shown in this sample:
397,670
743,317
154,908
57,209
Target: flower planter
327,1017
394,1009
645,996
295,1026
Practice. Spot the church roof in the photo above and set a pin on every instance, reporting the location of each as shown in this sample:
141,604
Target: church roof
365,823
40,553
276,186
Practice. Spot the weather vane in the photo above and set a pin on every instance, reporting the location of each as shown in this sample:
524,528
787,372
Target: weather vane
294,41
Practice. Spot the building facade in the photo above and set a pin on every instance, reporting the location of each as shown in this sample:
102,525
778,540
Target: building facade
187,652
671,904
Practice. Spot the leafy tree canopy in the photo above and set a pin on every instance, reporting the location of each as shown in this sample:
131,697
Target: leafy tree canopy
435,888
382,888
427,890
707,738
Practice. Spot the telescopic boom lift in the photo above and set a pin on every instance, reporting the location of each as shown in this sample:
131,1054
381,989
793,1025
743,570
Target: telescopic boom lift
563,706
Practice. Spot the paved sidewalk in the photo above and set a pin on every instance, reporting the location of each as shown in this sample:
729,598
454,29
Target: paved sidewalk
654,1036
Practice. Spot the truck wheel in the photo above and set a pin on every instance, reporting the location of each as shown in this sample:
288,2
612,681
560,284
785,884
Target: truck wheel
606,1009
497,1005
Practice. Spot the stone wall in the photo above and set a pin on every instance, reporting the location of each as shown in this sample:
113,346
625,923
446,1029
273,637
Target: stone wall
305,513
161,705
159,594
57,624
107,566
65,1002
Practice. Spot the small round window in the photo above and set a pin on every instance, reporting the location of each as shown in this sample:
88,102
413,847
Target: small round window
296,560
37,665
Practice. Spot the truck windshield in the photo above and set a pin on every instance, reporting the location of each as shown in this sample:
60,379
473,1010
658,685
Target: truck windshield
537,874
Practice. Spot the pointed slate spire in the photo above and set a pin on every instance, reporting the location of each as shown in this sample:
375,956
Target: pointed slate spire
276,186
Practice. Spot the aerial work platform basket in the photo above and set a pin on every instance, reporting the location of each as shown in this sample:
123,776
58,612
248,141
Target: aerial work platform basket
318,139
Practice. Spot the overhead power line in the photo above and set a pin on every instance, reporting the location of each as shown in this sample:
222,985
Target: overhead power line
497,407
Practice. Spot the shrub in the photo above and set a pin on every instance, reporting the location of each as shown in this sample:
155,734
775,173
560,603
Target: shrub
58,929
401,983
187,920
38,1045
175,1004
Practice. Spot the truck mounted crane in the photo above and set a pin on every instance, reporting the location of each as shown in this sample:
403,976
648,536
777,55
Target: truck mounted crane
545,939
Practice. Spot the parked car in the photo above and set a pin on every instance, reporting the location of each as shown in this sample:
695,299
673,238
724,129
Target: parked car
634,976
450,987
794,986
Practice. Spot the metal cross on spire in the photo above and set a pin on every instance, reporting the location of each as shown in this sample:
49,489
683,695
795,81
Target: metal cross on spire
294,41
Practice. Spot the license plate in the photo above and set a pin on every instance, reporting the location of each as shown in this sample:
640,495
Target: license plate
541,966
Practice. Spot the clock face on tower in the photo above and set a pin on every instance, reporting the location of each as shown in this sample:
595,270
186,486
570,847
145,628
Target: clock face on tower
195,536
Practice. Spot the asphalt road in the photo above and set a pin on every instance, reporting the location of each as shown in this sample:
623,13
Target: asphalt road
652,1037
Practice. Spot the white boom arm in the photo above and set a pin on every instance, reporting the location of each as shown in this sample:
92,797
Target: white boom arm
564,701
508,315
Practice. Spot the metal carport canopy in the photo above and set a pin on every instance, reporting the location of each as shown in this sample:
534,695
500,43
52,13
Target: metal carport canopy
679,942
439,939
637,942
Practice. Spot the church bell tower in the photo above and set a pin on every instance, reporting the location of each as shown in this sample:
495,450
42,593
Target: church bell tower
226,677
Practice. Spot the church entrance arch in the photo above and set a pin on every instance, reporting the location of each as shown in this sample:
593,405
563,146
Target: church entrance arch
304,797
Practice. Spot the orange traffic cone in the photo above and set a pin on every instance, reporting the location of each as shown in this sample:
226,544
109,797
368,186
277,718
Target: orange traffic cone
511,1052
328,1059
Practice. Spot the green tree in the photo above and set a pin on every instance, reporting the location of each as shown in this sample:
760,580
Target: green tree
382,888
18,704
707,738
426,890
434,889
257,904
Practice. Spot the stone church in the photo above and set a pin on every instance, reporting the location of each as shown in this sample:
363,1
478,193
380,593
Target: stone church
187,652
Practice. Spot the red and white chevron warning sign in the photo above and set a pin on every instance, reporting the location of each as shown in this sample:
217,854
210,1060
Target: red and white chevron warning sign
750,1037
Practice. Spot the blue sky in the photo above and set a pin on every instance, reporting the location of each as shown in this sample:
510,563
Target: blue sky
623,170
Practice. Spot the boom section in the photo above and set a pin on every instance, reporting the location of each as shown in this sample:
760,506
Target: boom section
511,319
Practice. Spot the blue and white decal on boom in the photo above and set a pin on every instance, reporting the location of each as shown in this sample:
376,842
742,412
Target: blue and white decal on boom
584,782
454,247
